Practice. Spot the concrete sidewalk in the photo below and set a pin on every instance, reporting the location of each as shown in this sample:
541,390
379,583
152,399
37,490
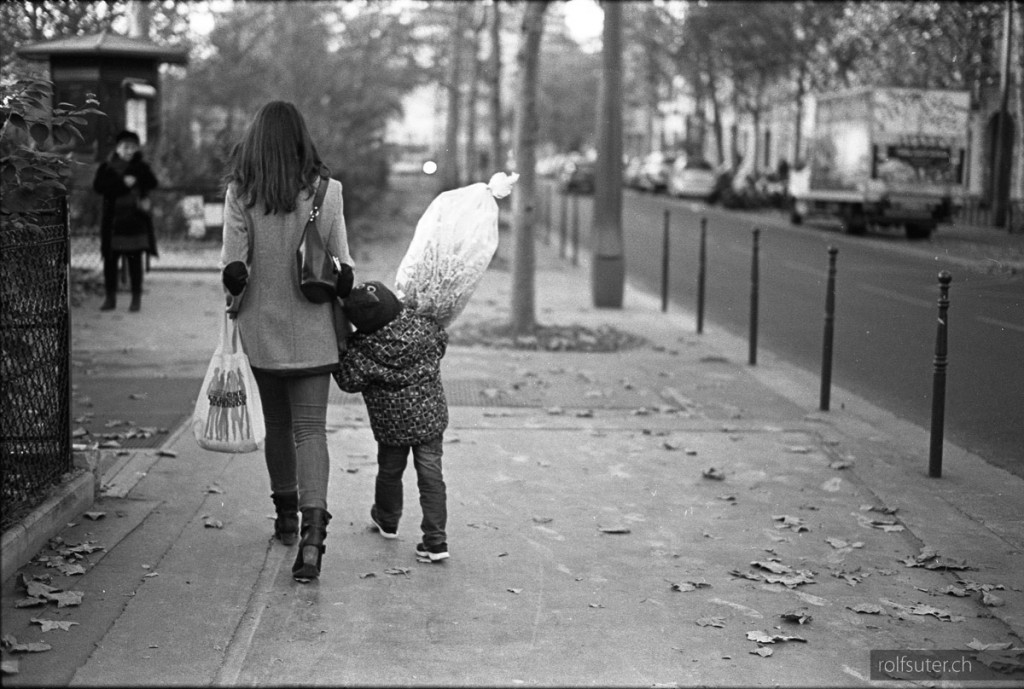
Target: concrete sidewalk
591,542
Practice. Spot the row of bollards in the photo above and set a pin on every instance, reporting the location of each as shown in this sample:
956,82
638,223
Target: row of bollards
940,361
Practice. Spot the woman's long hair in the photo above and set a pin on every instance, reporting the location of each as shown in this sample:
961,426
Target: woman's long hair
276,160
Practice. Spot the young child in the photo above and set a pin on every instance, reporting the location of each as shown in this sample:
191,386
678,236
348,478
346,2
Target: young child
394,359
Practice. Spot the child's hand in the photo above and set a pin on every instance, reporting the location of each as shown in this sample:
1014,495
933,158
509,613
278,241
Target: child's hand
129,180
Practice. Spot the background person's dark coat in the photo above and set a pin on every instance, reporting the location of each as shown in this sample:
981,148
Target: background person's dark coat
109,182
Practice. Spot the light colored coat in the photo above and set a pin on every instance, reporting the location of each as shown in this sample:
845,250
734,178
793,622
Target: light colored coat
280,329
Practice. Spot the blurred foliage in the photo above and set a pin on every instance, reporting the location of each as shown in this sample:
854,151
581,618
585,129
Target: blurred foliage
346,71
33,170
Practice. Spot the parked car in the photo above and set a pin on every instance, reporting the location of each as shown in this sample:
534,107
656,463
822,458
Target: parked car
631,172
577,177
693,178
655,171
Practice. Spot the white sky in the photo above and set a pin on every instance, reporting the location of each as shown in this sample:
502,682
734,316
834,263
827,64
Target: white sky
583,17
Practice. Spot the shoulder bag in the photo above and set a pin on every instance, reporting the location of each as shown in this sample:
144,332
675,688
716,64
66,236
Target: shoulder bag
317,268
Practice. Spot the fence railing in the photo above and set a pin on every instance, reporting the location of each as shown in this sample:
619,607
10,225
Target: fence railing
35,362
187,222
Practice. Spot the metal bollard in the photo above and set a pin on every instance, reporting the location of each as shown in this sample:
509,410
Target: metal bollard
562,220
826,346
939,379
752,357
664,264
575,229
701,274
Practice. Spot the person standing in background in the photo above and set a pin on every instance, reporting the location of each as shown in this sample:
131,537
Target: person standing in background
126,228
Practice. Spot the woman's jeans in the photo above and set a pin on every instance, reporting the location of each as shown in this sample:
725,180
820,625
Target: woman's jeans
391,462
295,413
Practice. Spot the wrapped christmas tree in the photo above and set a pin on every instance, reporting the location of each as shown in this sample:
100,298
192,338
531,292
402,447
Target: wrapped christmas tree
454,242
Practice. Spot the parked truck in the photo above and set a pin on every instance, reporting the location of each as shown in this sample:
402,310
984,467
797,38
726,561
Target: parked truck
884,157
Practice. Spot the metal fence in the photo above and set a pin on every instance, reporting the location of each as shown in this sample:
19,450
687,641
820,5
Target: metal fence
187,221
35,362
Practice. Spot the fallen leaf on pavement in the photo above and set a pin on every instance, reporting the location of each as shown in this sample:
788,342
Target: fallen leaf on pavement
772,566
766,638
368,575
798,616
713,474
992,600
840,464
9,667
686,586
867,608
50,625
929,559
67,598
711,622
762,651
798,449
786,521
919,609
975,586
614,529
94,515
214,488
30,602
211,523
542,520
957,591
397,570
14,646
138,396
514,590
166,453
980,646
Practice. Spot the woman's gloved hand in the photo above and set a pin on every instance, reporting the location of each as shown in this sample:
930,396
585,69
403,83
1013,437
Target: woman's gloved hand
345,280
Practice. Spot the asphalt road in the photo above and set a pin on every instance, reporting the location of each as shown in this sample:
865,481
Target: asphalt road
885,315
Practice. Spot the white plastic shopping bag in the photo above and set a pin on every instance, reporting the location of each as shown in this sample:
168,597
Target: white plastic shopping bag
228,416
454,242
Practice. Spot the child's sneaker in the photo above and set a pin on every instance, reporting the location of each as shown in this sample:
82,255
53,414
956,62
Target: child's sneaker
434,553
383,532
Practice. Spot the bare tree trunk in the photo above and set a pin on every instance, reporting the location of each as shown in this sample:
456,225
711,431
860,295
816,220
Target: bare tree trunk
608,266
449,162
524,199
497,149
472,163
801,91
139,16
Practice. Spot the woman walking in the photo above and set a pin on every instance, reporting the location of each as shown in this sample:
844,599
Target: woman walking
291,342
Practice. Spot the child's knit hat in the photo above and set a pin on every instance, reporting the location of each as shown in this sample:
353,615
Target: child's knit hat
370,306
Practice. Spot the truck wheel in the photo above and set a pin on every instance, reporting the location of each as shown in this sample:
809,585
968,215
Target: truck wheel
918,230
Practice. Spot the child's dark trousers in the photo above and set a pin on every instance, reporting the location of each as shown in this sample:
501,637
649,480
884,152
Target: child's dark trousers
391,463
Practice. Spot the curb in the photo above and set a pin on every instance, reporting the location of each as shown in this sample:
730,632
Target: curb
23,540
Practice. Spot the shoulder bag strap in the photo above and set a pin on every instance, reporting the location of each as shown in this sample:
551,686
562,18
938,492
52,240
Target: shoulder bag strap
318,200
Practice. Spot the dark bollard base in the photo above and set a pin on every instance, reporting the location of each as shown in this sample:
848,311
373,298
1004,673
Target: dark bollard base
608,276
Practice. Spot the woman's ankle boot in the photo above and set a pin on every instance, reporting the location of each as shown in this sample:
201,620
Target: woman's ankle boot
136,302
110,303
311,547
286,526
